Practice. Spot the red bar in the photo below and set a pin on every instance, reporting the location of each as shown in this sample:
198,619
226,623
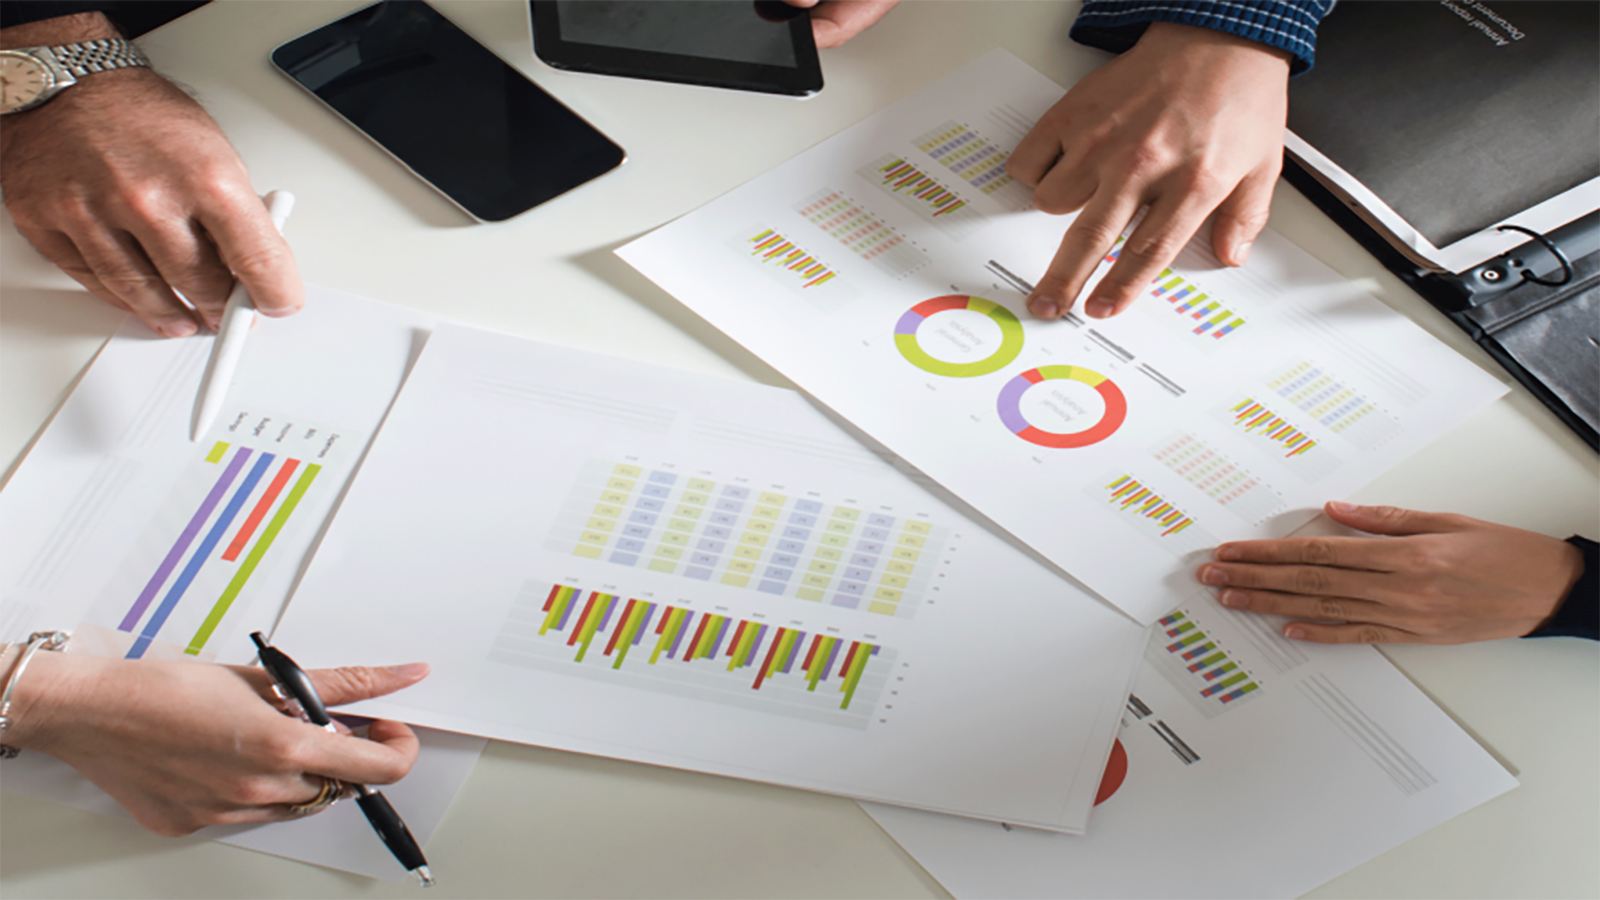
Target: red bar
577,628
612,644
260,512
665,615
845,666
688,652
555,590
816,640
737,632
766,664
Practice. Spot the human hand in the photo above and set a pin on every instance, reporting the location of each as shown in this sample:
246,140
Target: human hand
127,185
1188,122
183,745
1440,579
835,21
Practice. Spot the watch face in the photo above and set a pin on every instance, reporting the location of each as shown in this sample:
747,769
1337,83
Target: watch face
23,80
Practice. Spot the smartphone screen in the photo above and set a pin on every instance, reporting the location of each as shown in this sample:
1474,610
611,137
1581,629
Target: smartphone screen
455,114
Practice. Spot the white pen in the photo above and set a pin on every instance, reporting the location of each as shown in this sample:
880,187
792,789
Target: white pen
237,317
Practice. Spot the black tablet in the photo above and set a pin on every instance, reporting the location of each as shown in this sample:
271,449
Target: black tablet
747,45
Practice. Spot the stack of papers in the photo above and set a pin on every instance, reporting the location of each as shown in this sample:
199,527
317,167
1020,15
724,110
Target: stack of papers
607,557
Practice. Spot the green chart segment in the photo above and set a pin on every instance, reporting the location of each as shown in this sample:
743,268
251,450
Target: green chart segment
633,642
907,340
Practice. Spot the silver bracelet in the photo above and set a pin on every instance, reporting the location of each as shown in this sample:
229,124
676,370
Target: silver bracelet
39,640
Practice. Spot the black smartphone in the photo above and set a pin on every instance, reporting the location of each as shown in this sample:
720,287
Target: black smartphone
461,119
747,45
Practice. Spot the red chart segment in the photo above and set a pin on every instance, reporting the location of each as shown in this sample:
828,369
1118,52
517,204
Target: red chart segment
1010,407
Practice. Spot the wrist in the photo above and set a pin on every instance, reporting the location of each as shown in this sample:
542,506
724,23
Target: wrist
60,30
45,697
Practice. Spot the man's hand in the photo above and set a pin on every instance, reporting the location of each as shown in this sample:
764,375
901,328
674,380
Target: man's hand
1188,122
1440,579
127,185
835,21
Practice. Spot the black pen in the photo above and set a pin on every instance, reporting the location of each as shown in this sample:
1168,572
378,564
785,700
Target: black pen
298,691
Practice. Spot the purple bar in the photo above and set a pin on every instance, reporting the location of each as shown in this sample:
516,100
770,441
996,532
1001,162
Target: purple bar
794,651
649,613
576,600
184,540
722,632
605,616
688,620
831,654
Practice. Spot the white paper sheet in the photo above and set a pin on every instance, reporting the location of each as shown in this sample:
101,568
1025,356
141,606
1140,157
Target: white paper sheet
140,542
537,522
885,271
1334,758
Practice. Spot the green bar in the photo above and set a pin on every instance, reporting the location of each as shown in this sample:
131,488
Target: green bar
1232,680
819,662
740,649
1189,640
590,627
217,452
557,608
631,628
857,666
1249,687
1227,668
248,567
674,622
1187,626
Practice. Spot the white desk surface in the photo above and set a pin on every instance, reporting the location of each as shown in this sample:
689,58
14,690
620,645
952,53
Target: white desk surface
535,822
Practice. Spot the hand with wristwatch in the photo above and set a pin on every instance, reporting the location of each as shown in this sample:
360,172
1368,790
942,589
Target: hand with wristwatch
126,184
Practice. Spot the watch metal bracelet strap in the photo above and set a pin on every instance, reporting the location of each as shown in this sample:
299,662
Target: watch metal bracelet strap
102,55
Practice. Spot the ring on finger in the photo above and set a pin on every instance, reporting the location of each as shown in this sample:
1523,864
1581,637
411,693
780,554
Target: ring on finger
333,790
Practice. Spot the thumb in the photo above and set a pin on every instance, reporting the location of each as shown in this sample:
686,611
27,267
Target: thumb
1391,520
347,684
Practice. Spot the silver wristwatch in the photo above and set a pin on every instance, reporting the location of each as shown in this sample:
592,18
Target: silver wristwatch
30,76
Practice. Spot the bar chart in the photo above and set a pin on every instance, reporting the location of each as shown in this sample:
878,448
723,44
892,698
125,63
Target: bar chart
770,247
1333,404
1152,515
698,654
861,232
1273,434
1199,664
810,548
930,199
1230,484
974,159
213,535
1199,314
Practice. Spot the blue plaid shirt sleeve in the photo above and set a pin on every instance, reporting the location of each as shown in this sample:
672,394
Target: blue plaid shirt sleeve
1288,25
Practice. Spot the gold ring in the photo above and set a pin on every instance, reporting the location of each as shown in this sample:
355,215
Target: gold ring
332,791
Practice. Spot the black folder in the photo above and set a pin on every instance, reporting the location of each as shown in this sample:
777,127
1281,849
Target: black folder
1427,127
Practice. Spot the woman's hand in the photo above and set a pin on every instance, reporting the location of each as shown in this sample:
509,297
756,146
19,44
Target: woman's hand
1437,579
183,745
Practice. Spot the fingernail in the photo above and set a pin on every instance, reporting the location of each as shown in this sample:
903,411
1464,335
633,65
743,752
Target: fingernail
1232,598
1226,552
1293,633
1342,506
410,670
177,329
1212,575
279,312
1099,309
1242,253
1042,308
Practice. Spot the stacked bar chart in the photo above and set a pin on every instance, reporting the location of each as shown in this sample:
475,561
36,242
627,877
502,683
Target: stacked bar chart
212,535
1149,513
769,246
972,158
698,654
923,194
709,530
863,233
1326,398
1274,434
1199,665
1233,487
1201,315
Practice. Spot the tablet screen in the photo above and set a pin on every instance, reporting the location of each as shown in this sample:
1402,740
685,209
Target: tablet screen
743,44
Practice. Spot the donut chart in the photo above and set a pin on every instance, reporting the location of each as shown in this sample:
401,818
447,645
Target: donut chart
1116,773
1010,405
905,336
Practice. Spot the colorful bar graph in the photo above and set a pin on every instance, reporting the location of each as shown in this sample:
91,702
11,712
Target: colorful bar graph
1211,472
1200,665
1187,299
1257,419
968,155
684,637
863,233
1129,494
1330,401
771,247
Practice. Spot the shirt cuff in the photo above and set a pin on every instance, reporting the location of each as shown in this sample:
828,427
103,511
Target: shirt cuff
1288,25
1579,615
